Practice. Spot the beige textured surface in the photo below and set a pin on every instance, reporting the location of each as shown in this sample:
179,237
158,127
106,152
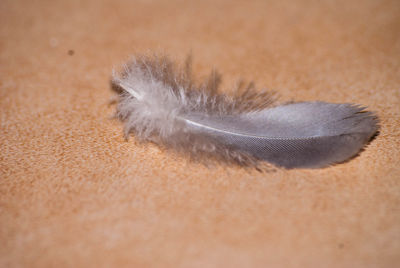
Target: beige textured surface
74,193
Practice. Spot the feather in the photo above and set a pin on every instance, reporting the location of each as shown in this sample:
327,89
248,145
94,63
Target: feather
160,102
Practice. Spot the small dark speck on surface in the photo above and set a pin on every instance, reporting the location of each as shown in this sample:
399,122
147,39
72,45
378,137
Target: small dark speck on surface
71,52
341,245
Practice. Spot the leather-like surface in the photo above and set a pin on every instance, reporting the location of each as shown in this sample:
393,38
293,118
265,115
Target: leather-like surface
74,193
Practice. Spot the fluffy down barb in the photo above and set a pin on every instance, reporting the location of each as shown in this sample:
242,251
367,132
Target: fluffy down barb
161,102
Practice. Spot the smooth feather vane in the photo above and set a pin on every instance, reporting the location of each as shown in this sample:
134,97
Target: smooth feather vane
160,102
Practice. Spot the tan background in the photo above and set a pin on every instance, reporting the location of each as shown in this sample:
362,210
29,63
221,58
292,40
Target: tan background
74,193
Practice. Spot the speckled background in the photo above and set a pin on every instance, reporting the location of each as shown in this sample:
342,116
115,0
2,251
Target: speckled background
73,193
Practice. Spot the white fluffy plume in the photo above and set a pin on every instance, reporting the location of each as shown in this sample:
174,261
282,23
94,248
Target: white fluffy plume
160,102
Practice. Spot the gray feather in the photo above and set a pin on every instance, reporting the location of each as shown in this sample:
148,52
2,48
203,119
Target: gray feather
161,103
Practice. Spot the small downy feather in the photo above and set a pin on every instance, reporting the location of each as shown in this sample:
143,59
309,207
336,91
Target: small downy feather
159,101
